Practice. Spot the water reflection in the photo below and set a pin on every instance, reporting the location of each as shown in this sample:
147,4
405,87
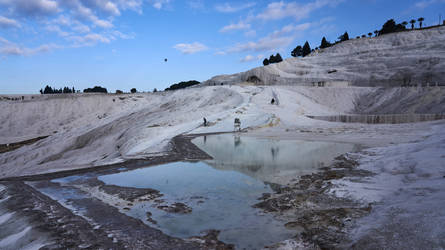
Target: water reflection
220,192
270,160
218,199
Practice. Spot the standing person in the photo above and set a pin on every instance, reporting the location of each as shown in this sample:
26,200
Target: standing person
205,121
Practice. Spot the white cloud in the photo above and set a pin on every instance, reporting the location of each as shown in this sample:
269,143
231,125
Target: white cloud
427,3
32,7
8,23
235,26
268,43
65,22
280,10
250,58
99,12
190,48
89,40
81,28
117,34
57,29
250,33
159,4
276,40
8,48
86,13
196,4
220,53
134,5
79,22
291,28
228,8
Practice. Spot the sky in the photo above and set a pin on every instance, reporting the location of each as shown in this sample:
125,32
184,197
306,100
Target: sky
123,44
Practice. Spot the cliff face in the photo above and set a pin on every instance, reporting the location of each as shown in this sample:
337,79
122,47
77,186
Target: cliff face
400,59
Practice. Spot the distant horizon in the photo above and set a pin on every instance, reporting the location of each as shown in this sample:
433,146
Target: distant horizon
124,44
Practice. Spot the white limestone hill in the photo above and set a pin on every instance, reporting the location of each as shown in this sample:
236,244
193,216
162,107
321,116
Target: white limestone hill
98,129
415,57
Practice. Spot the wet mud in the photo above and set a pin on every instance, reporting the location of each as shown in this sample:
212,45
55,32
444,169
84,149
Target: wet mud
321,219
13,146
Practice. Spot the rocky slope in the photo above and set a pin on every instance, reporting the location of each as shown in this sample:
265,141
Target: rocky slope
407,58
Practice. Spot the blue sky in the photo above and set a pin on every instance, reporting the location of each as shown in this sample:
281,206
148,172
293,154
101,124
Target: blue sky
121,44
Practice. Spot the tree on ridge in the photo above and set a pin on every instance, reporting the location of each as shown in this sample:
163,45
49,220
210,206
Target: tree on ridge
324,43
412,22
421,21
344,37
298,51
404,23
306,49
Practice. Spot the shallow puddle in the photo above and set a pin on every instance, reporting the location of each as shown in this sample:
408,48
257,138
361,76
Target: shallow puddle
199,196
220,200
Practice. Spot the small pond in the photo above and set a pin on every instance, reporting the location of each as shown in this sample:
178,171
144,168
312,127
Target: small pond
214,194
270,160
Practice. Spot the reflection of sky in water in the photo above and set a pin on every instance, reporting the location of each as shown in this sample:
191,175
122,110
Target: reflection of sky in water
221,191
220,200
269,160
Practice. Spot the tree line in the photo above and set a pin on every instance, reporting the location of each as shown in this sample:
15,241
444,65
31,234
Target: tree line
67,90
64,90
181,85
98,89
273,59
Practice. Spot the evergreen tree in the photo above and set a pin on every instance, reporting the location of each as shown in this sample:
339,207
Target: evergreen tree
133,90
324,43
370,34
272,59
298,51
306,49
344,37
278,58
376,32
266,62
48,90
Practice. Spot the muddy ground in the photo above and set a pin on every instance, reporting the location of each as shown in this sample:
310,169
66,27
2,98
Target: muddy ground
321,220
13,146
